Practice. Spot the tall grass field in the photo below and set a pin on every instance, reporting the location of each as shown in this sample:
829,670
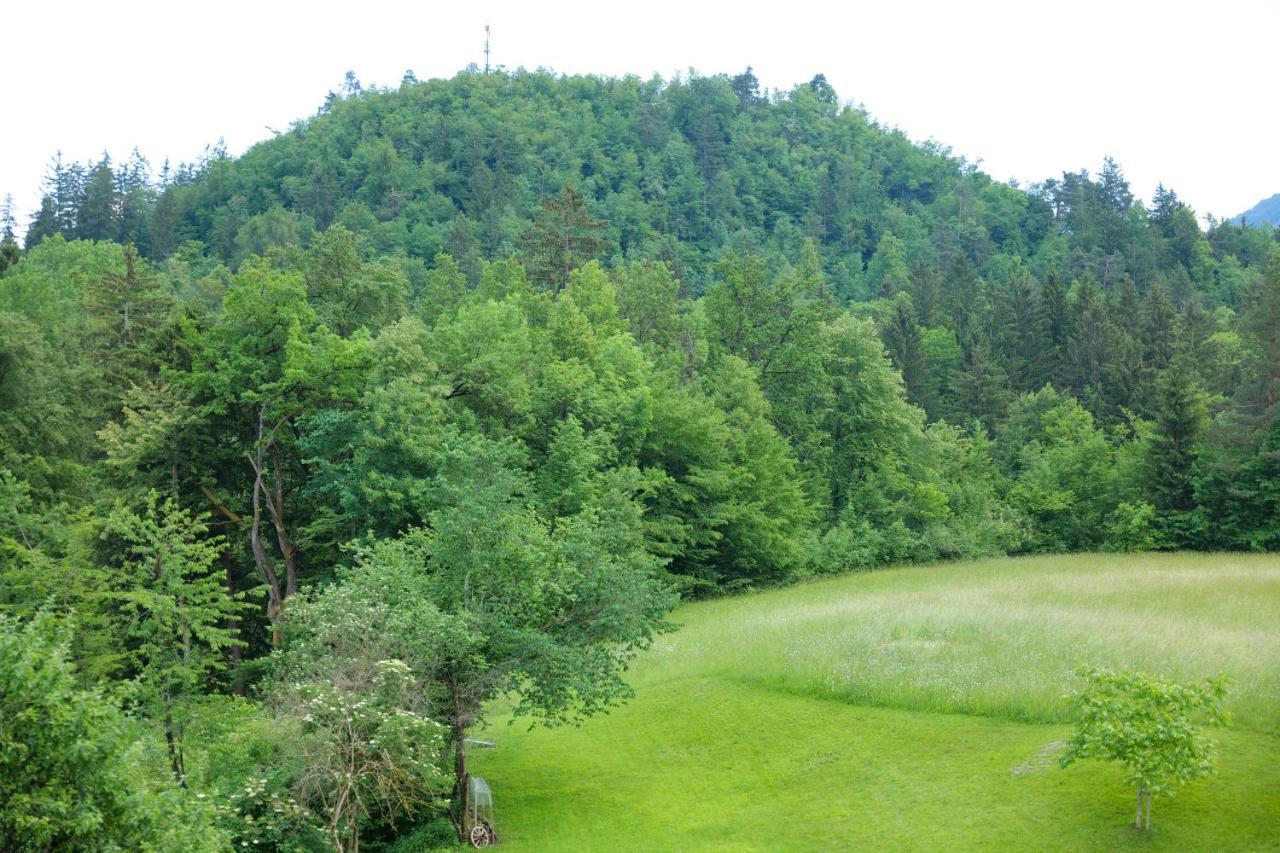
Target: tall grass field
917,708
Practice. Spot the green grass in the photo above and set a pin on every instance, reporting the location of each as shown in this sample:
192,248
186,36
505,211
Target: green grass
911,709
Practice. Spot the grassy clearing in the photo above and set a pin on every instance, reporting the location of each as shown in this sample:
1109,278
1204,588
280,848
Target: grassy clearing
911,709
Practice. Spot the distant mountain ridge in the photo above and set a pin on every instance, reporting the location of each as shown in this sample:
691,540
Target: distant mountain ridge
1267,210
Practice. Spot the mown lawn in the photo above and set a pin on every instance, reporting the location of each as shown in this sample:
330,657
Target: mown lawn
911,709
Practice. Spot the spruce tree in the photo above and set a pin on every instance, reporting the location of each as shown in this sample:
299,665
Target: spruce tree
1173,450
903,343
1158,327
43,224
97,214
1057,323
563,237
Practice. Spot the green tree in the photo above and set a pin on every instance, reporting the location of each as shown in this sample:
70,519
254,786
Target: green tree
905,345
562,238
348,293
1173,449
43,224
9,250
129,312
177,611
97,215
254,375
887,272
365,755
1152,727
550,614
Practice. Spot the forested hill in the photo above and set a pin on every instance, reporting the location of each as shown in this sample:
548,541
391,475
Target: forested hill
682,170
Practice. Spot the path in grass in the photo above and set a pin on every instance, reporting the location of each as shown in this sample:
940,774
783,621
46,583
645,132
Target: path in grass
910,709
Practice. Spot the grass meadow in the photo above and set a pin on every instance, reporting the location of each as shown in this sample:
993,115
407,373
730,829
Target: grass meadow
916,708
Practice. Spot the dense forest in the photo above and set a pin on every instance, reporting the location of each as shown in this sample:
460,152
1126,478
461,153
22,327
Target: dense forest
448,393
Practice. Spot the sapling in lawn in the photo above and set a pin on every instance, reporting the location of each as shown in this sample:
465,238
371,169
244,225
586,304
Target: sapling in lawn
1153,727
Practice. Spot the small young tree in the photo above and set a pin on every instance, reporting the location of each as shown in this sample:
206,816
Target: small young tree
1153,727
178,611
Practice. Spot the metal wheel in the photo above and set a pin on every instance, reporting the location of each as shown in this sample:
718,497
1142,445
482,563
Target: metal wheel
481,836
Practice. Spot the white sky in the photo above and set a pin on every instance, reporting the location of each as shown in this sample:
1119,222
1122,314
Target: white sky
1184,93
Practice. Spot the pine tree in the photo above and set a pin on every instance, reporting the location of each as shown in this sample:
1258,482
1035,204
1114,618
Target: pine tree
1163,206
981,388
68,195
922,284
162,227
136,198
962,291
1260,327
1158,328
1057,321
1023,335
128,311
1128,309
1089,347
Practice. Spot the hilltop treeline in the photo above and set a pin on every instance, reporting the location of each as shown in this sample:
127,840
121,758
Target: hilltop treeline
566,345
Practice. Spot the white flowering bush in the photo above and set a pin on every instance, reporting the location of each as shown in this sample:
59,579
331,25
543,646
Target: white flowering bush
367,755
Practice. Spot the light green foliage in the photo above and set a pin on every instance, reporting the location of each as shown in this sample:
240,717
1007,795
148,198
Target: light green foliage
648,297
174,610
243,759
503,440
347,292
71,776
489,599
1064,471
446,287
887,271
1150,726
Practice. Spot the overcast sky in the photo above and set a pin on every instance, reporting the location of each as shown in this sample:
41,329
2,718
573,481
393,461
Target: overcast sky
1181,93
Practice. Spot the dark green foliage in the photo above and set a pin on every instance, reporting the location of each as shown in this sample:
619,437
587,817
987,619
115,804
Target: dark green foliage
1173,450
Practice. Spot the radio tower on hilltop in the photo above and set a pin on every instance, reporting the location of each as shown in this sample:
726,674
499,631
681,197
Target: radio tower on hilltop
486,48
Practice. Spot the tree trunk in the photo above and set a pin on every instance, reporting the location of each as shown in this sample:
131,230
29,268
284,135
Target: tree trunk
462,787
171,742
235,652
266,568
1137,819
1148,811
461,778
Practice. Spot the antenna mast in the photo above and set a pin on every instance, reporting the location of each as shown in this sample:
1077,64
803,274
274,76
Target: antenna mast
486,48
